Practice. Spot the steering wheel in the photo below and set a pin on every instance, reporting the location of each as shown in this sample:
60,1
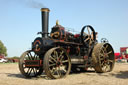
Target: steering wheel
104,40
88,35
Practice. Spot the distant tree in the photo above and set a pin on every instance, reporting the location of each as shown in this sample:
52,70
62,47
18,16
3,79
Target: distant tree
3,49
15,57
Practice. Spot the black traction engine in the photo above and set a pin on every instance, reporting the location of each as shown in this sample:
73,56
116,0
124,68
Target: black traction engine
60,52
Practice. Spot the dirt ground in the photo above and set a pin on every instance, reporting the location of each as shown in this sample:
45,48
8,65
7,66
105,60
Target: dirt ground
10,75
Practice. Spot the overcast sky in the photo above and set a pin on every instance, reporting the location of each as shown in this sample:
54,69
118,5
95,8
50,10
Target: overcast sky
20,20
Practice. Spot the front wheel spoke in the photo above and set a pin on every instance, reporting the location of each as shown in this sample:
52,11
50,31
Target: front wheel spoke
35,57
34,71
29,72
29,57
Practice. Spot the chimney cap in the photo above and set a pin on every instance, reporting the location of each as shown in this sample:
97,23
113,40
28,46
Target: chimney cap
45,9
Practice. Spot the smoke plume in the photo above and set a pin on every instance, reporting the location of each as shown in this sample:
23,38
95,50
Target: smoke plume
27,3
34,4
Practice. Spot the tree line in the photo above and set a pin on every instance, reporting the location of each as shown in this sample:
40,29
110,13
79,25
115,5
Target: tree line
3,49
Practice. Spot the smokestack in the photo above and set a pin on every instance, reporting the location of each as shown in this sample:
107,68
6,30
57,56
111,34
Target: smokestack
45,21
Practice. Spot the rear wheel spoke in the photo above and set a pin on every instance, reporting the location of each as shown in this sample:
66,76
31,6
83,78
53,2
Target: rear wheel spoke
56,54
53,59
61,54
109,52
65,61
52,64
53,70
107,68
103,51
110,61
106,47
61,58
59,71
101,54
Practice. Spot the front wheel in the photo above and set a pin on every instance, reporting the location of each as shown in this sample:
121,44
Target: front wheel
57,63
26,67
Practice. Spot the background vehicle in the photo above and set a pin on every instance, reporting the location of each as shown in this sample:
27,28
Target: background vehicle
3,60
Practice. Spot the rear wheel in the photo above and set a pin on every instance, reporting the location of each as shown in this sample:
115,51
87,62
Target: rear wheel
103,57
57,63
29,71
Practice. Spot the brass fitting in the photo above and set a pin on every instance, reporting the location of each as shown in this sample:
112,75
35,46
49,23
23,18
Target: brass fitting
45,10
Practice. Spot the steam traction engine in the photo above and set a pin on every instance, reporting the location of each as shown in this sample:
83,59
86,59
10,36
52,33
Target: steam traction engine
59,52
